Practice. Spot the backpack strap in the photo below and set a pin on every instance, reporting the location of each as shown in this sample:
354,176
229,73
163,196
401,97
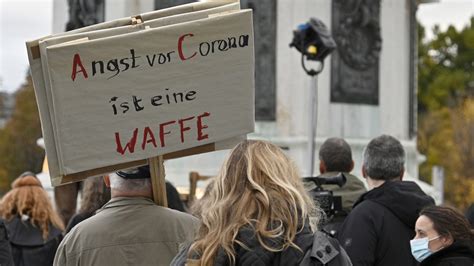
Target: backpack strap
323,250
326,250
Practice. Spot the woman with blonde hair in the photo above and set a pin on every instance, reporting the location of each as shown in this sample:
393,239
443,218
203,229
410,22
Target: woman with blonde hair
256,212
34,229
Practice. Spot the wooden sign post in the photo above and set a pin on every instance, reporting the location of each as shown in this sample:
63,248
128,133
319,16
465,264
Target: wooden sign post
157,171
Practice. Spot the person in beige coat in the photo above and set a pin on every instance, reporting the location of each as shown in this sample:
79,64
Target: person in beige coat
128,230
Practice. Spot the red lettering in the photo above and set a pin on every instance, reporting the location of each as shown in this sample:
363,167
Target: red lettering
163,133
130,145
183,128
180,47
77,62
200,126
147,132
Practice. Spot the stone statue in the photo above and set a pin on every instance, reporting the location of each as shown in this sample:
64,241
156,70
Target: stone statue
355,65
84,13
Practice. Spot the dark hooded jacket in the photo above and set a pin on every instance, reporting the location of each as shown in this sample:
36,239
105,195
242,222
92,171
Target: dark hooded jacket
28,245
382,223
459,253
5,249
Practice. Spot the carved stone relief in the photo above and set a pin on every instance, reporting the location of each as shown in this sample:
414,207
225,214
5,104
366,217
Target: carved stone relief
84,13
355,63
160,4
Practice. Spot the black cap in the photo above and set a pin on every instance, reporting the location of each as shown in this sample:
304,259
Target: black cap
135,173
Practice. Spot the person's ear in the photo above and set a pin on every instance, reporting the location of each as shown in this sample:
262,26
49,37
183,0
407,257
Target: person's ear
352,166
446,240
107,180
402,173
364,172
322,167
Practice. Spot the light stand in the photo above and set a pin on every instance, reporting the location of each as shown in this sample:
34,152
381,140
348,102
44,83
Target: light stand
313,112
315,43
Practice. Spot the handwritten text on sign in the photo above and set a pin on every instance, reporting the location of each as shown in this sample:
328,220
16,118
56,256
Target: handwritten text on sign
153,92
117,65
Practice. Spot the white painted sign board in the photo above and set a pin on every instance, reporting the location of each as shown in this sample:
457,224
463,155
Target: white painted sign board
126,95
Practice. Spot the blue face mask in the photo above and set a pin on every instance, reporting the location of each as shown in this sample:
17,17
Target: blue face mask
420,249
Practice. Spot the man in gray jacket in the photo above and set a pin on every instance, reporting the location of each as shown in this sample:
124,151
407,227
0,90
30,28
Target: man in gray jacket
128,230
335,156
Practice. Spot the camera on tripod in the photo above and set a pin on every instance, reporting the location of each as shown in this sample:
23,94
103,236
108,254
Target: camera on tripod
329,203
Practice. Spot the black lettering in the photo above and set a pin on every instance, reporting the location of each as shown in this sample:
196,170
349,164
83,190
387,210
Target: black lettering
243,40
178,94
113,99
213,46
189,95
124,62
169,55
112,65
232,42
161,59
201,48
101,65
155,100
167,97
223,45
132,51
136,103
152,61
124,107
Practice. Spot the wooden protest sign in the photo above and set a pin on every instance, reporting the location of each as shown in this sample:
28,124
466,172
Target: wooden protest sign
113,99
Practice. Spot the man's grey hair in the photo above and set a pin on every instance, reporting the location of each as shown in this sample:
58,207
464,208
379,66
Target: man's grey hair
336,155
384,158
129,185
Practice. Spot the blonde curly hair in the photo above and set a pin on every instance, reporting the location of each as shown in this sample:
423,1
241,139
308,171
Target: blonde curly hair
260,187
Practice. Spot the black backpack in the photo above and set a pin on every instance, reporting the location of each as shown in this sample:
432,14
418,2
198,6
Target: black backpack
326,250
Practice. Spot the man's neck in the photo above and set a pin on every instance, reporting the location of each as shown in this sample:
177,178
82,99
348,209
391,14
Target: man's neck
116,194
374,183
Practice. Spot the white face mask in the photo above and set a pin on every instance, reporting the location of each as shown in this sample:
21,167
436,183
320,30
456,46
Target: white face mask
420,249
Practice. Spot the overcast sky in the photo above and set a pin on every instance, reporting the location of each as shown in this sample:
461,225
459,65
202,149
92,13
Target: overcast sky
22,20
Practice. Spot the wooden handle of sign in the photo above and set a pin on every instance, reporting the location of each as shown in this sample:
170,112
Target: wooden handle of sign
157,171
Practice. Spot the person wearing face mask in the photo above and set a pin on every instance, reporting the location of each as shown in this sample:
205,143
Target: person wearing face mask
443,238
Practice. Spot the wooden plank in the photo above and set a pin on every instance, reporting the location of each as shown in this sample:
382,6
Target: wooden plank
35,52
157,171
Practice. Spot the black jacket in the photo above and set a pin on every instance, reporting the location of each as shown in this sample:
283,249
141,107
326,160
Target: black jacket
28,245
313,250
379,228
5,249
460,253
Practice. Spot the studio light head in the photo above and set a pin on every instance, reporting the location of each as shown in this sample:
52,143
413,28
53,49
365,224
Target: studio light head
313,40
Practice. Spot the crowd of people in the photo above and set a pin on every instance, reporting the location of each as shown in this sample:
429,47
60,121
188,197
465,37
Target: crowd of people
256,211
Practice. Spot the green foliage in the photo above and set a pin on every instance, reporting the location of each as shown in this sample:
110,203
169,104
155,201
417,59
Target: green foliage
446,68
18,149
446,109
